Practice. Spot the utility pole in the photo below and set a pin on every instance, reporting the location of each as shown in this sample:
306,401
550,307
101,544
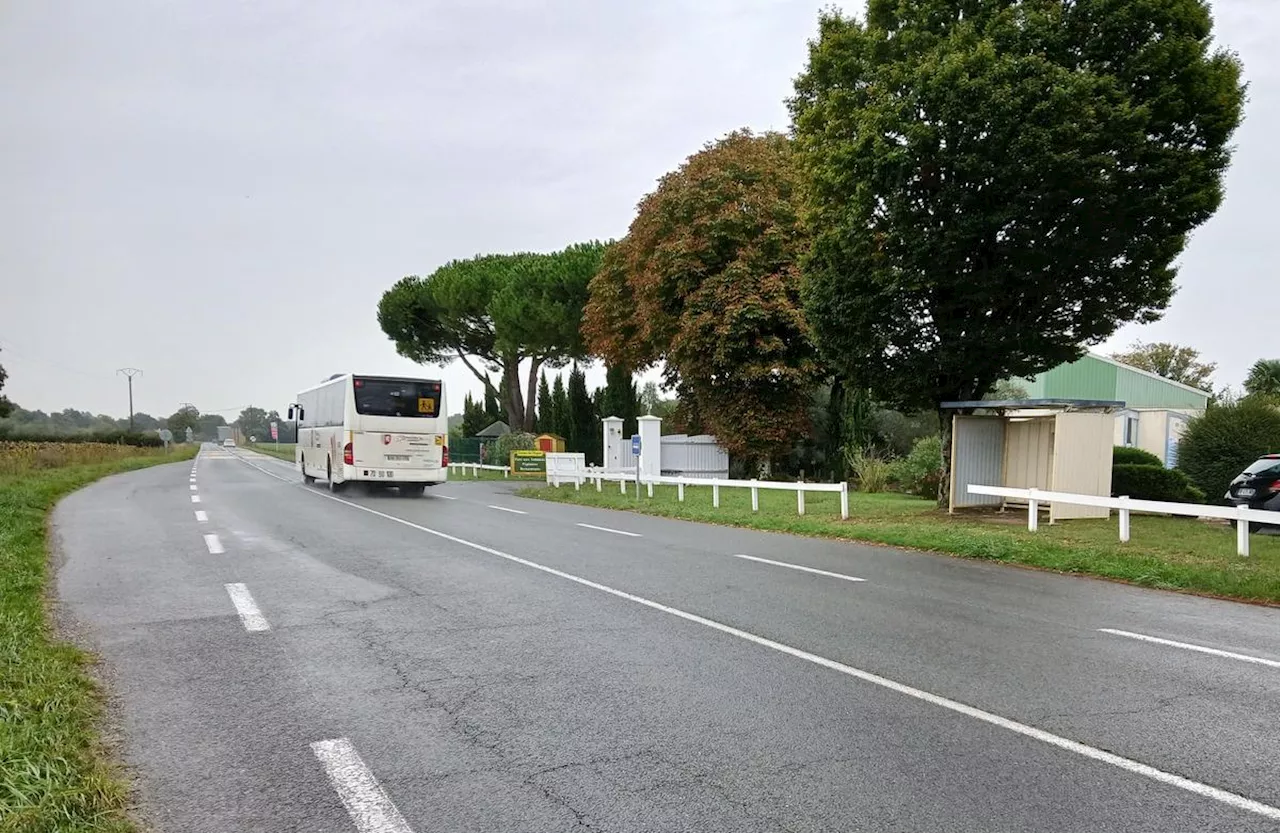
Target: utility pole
130,372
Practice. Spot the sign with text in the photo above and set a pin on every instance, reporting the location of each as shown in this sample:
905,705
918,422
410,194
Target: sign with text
635,444
529,463
275,432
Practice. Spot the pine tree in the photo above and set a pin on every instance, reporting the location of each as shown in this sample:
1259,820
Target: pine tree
582,418
544,406
559,408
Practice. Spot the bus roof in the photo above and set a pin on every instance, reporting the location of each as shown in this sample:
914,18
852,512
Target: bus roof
346,377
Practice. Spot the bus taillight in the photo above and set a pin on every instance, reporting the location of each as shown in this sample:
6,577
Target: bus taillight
444,455
347,456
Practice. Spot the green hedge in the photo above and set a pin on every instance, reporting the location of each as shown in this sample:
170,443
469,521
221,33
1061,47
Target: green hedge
35,435
1122,455
1154,483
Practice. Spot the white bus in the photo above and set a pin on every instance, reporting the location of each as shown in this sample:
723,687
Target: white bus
376,429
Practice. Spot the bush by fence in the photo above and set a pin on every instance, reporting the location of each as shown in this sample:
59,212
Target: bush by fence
1153,483
501,448
1219,445
1122,455
920,472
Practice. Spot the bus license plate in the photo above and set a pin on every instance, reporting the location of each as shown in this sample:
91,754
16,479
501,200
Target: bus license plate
398,457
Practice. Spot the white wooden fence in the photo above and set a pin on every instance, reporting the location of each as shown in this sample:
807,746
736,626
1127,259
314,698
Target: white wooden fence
1240,514
600,476
476,468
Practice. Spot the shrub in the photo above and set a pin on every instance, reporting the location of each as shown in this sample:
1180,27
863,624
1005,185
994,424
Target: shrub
1121,455
1219,445
500,450
920,472
1154,483
870,470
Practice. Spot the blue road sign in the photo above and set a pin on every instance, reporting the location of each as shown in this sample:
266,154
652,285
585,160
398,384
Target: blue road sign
635,444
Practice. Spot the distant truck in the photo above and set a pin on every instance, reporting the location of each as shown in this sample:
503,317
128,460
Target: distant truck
225,433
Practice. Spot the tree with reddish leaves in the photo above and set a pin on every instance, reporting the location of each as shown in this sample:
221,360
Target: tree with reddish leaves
706,282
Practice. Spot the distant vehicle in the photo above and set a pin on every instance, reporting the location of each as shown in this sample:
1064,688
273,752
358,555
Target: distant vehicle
229,443
1258,486
377,429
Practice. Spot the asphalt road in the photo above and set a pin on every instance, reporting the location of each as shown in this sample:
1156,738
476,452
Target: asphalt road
288,661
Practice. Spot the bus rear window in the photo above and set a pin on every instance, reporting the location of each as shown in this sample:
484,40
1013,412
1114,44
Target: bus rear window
397,397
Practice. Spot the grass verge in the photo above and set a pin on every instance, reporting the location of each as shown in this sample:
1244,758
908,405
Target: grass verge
1167,553
54,771
284,450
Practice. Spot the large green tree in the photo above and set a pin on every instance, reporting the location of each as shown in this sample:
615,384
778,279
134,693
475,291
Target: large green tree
992,185
706,283
544,405
559,408
1172,361
619,398
494,313
188,416
254,422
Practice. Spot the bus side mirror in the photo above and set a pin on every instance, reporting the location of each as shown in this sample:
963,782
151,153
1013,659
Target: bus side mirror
290,412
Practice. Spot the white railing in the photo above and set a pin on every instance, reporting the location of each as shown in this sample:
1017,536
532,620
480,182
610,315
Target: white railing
476,468
622,478
1242,515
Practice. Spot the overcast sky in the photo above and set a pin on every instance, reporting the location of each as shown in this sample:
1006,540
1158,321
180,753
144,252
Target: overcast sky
219,192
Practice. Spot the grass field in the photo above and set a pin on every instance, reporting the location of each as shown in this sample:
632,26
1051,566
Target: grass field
1169,553
54,771
284,450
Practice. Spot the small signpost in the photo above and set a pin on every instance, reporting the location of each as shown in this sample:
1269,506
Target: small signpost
275,433
528,463
166,436
635,449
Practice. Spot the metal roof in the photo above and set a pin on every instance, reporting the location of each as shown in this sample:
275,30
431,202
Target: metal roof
1036,404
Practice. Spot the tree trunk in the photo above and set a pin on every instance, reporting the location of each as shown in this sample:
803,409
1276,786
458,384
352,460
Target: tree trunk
531,412
944,487
515,399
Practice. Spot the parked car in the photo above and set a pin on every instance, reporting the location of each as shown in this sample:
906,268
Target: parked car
1258,486
229,443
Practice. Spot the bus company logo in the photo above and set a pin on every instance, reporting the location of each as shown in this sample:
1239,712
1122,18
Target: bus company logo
386,439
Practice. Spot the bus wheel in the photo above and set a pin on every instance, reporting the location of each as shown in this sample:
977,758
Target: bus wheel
412,489
334,486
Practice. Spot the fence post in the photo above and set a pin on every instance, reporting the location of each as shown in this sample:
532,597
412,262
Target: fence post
800,497
577,482
1242,533
599,483
1124,519
506,472
715,493
680,490
844,500
622,485
650,484
1033,510
755,496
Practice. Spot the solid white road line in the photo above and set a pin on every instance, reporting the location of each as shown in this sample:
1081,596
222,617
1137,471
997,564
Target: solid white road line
370,808
195,498
1190,647
813,570
614,531
505,509
202,515
1084,750
215,546
250,616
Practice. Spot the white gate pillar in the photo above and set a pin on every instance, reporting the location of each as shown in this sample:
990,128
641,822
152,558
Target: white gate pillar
650,446
613,441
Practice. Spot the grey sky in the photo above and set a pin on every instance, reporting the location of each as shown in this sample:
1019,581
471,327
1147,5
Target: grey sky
219,192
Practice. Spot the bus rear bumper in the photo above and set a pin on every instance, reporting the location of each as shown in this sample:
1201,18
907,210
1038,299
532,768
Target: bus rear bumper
394,476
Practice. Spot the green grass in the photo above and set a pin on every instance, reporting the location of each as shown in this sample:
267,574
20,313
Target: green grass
284,450
55,774
1169,553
